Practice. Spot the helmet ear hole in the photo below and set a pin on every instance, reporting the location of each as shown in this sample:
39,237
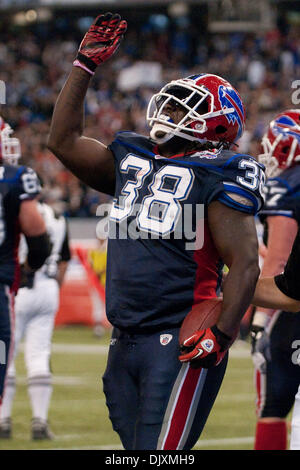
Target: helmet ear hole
285,149
220,130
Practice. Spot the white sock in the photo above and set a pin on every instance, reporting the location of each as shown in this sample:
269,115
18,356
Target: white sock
8,398
40,391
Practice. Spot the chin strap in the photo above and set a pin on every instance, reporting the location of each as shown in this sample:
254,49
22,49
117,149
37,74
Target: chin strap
161,133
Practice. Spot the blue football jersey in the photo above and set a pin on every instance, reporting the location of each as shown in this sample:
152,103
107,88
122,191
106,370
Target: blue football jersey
17,184
282,195
161,256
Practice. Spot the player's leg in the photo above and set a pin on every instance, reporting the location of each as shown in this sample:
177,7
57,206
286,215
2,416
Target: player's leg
175,400
37,355
212,381
295,434
6,349
6,327
271,434
189,406
120,386
10,384
277,385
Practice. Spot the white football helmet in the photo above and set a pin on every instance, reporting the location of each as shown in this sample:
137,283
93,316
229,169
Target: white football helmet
10,147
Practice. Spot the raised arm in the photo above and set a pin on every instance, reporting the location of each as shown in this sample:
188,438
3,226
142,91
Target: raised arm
86,158
90,160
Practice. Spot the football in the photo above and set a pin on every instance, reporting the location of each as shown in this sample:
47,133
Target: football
203,315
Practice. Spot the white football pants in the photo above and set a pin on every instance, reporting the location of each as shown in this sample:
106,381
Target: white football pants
35,311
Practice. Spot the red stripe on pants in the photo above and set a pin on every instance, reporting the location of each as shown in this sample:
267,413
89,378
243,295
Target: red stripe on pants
182,408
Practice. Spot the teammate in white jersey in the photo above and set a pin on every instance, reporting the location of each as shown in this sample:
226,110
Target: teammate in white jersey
36,305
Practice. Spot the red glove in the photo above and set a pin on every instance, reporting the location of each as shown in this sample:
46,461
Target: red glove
205,348
100,42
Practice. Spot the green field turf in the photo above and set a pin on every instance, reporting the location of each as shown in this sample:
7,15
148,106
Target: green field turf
78,414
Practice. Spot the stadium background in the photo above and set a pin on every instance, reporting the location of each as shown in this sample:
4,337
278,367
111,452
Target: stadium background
255,45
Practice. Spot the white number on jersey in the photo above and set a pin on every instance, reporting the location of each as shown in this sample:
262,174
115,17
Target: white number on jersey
130,191
30,182
160,209
274,194
254,176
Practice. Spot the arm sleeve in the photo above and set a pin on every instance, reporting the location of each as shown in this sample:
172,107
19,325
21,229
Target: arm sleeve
289,281
65,253
39,248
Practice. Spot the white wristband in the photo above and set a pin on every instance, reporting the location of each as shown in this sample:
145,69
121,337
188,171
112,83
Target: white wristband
260,319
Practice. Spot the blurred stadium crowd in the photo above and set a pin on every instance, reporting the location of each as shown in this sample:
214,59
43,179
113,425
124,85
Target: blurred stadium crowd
34,66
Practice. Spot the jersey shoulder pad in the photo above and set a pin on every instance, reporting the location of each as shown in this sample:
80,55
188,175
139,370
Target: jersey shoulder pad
22,182
234,179
27,184
232,161
243,180
10,174
126,141
282,195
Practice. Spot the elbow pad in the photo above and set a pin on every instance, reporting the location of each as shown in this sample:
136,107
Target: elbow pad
289,281
39,248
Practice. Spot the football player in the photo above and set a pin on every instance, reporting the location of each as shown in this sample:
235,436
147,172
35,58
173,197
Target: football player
154,276
274,331
36,304
19,187
282,292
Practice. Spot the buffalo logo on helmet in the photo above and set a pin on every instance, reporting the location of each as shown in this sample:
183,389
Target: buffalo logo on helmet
229,98
286,126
